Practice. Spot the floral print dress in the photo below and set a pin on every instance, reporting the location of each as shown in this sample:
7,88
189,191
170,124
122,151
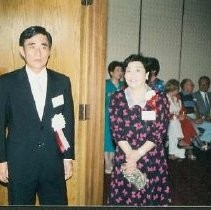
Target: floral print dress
127,124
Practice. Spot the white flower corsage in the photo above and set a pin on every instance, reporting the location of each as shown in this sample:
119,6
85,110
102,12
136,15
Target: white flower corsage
58,123
149,94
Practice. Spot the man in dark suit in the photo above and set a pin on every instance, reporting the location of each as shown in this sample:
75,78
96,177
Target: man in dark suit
36,126
203,98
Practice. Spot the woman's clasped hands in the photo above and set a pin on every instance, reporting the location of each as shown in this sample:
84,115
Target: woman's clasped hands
131,161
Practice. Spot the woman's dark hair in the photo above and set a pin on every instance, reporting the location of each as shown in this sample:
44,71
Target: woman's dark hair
184,81
113,65
172,85
136,57
153,65
32,31
204,78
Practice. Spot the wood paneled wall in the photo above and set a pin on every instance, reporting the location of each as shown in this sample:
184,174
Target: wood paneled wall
94,62
79,37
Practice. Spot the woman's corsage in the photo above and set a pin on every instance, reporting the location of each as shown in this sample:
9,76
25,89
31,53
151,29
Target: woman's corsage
58,123
151,98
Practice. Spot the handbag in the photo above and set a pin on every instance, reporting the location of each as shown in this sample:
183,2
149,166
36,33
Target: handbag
136,178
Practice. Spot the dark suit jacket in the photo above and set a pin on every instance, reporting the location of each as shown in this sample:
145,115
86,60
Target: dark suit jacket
200,105
30,145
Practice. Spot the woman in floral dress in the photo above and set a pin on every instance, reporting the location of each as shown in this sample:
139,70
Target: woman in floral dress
139,120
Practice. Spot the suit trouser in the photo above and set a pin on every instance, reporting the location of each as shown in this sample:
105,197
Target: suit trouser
50,187
49,193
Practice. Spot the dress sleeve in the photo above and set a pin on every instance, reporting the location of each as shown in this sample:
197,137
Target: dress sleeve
158,130
116,119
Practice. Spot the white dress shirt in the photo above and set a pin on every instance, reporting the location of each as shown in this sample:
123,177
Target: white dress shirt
38,84
204,94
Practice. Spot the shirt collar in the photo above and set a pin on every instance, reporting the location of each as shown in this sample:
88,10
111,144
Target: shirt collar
32,75
131,103
203,93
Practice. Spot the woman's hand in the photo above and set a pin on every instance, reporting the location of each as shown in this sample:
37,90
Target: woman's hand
133,156
129,167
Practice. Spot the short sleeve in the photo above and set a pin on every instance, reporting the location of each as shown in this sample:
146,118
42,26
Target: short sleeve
158,130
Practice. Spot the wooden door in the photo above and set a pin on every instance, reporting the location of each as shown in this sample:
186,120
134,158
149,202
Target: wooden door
79,52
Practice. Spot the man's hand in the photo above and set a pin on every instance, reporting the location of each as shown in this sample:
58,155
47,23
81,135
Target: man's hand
4,172
68,168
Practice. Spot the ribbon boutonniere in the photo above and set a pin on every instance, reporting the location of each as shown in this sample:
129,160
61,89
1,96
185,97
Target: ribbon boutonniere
151,98
58,123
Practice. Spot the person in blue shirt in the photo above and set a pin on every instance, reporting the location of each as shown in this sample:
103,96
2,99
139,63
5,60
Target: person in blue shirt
153,81
115,83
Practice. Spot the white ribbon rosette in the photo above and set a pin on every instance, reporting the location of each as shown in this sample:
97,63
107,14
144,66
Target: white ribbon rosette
58,123
149,94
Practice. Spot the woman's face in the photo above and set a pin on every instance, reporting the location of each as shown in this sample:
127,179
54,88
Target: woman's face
117,73
173,93
135,74
188,87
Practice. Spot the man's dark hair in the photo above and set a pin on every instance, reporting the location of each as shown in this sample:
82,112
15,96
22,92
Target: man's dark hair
153,65
136,57
113,65
204,78
32,31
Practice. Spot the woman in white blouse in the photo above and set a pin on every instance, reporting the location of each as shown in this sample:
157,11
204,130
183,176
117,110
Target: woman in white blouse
174,130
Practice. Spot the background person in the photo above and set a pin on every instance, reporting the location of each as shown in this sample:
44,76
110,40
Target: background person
174,130
187,87
115,70
203,98
153,81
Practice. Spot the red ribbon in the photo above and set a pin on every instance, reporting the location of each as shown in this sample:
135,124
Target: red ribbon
152,102
59,143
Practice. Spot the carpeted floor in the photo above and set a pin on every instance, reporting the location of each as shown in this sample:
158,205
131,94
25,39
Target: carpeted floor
190,181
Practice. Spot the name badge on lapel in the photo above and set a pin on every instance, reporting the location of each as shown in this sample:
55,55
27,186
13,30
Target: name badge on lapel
58,101
148,115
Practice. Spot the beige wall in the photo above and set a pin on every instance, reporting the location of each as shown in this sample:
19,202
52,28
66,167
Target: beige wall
196,50
161,35
123,27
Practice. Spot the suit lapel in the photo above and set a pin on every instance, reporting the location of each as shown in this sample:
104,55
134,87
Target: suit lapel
50,92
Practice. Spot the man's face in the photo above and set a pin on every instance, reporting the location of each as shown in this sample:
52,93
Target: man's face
204,85
36,52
